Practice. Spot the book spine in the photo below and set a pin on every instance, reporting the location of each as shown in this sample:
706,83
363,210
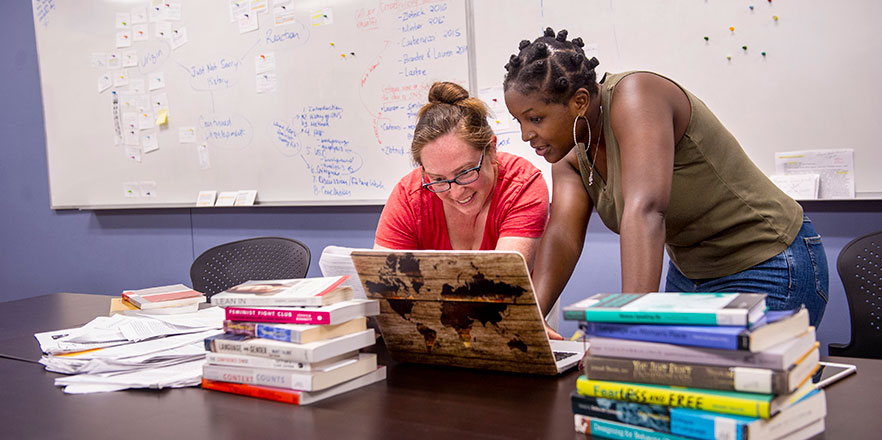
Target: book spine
258,376
687,318
267,331
290,352
277,316
234,360
240,328
286,396
618,348
619,431
664,334
312,301
700,425
741,404
749,380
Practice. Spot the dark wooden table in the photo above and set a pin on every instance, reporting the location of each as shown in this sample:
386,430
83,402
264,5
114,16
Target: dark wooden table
415,401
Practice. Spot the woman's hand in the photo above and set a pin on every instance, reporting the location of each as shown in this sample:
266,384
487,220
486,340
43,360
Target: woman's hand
552,334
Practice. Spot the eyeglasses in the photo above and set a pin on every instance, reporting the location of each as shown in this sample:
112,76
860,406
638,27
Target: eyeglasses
464,178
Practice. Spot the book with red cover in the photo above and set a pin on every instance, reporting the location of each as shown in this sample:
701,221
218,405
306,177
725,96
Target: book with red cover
294,396
326,315
164,296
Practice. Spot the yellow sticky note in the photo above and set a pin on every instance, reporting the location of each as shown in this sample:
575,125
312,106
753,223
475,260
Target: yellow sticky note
162,117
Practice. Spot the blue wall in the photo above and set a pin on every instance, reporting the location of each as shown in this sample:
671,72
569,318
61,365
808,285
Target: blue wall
44,251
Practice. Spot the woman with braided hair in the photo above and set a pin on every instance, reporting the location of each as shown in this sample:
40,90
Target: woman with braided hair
664,173
464,194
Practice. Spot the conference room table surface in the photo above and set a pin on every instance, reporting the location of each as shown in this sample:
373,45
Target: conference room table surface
415,401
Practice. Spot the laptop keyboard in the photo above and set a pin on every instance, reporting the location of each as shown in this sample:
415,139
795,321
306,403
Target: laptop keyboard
558,355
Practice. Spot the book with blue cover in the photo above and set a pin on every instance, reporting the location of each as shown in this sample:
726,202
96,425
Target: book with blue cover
772,329
671,422
715,309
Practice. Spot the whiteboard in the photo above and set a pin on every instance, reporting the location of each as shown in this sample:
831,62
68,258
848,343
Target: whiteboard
312,103
817,87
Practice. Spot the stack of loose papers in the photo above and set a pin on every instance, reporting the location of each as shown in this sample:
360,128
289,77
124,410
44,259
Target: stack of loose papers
131,351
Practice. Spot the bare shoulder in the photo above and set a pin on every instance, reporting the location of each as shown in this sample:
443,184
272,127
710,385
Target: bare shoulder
642,87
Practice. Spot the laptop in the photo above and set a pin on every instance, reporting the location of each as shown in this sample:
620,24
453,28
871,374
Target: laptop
474,309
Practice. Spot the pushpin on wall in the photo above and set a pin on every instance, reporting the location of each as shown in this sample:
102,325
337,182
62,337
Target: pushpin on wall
763,53
729,57
775,17
332,44
744,48
751,7
732,28
706,38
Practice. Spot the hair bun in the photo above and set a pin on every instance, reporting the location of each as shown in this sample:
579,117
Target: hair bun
562,36
549,32
447,93
523,44
578,42
592,63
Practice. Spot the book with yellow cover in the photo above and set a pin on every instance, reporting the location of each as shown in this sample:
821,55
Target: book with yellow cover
724,402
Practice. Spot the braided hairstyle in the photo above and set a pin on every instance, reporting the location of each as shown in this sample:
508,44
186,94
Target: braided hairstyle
450,109
552,66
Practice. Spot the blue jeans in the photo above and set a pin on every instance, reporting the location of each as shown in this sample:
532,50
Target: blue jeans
798,275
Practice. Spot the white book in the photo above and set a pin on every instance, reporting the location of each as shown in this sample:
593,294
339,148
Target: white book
778,357
244,360
295,380
318,291
294,396
310,352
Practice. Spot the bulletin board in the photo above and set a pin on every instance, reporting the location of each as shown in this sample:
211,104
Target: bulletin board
148,103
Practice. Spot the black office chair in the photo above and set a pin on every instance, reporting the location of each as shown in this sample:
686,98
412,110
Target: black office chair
860,268
262,258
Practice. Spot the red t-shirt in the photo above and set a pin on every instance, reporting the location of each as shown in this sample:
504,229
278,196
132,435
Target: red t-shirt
413,217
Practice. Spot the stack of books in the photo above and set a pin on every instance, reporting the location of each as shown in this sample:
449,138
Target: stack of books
172,299
696,366
294,341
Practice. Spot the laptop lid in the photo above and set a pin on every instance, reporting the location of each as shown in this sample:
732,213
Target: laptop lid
473,309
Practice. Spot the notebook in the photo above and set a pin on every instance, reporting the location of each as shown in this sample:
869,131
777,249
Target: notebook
474,309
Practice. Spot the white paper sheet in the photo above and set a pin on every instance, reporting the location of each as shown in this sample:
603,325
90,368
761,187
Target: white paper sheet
835,168
335,261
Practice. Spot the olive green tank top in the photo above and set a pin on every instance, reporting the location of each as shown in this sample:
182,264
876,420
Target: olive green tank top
724,214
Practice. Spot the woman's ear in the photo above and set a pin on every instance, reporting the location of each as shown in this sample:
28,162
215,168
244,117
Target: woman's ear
491,149
579,101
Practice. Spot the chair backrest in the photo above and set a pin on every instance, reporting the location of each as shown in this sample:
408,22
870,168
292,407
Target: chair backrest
860,268
262,258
